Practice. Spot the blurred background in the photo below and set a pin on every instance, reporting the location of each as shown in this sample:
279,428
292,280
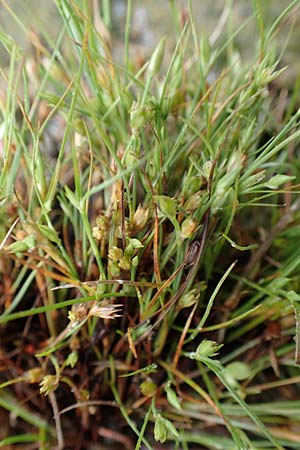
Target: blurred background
151,19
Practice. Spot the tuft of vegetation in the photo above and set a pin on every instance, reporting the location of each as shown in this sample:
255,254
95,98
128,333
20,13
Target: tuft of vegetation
149,232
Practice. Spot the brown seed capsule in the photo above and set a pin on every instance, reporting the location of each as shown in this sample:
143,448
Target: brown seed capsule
193,252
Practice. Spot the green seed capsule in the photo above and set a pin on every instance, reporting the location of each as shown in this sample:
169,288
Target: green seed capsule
157,58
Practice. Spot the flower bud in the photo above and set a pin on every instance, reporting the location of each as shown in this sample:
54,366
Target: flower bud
206,349
148,388
125,263
188,227
188,299
207,168
163,428
101,229
141,115
114,269
157,58
24,245
140,218
160,429
34,375
172,397
115,254
194,201
72,359
167,205
132,245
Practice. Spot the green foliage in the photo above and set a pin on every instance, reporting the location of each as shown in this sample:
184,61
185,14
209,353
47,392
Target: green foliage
149,224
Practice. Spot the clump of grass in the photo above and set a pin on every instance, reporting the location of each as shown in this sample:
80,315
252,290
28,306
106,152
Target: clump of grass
149,272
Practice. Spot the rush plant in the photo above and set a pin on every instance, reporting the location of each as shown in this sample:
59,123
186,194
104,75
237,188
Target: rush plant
149,233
